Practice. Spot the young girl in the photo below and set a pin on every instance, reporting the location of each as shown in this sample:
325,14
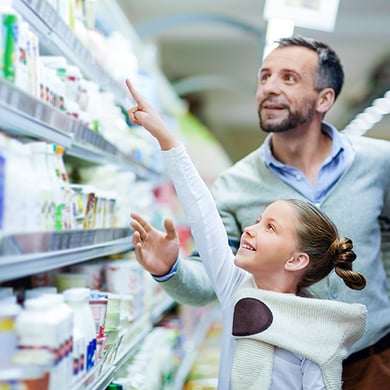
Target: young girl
274,337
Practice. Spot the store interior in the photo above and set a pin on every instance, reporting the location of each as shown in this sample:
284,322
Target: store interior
73,168
211,50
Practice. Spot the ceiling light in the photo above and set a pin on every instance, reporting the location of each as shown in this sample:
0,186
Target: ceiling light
372,114
277,28
382,105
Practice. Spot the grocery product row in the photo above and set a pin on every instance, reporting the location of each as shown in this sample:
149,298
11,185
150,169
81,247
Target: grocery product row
97,322
76,309
69,324
44,213
56,164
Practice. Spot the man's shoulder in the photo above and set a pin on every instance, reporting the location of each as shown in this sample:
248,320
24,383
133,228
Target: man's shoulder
370,150
363,141
251,162
248,168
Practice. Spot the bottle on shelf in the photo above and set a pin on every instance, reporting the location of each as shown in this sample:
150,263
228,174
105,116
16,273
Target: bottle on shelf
9,39
21,207
67,192
8,313
38,330
56,185
38,157
84,324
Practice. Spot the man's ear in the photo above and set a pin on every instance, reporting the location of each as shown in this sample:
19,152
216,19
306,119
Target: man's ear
298,262
325,100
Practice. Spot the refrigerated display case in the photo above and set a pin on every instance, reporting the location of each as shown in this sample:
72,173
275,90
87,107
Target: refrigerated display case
27,118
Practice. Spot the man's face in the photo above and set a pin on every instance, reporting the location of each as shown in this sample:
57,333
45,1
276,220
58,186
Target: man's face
285,96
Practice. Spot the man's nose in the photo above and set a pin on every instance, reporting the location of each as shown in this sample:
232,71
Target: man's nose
270,86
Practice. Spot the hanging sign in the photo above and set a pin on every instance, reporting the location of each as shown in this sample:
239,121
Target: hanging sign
314,14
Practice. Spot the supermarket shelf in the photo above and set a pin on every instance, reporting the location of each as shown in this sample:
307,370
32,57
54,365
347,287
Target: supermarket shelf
57,37
89,153
43,121
146,327
92,154
104,374
192,348
24,115
111,18
28,253
163,307
21,114
24,254
103,380
96,379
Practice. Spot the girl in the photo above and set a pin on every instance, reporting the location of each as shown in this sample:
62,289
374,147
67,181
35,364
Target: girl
274,336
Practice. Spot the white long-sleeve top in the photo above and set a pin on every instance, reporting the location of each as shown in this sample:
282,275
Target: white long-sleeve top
289,369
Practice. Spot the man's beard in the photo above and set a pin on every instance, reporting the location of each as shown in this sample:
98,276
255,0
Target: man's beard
293,120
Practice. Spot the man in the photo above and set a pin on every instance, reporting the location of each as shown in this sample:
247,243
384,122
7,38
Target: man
303,157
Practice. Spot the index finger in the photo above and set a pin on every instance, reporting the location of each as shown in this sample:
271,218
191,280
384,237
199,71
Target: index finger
142,222
134,93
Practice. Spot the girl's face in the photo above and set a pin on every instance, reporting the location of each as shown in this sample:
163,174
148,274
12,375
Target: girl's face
270,242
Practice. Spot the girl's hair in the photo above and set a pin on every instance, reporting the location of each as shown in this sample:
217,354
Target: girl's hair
317,236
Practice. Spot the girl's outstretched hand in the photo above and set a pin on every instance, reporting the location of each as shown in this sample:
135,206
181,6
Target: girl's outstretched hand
144,115
155,250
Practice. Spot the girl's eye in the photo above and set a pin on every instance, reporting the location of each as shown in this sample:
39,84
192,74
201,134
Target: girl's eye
270,227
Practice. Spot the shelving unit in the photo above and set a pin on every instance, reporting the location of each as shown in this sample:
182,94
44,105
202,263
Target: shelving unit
22,115
30,253
192,348
103,373
57,37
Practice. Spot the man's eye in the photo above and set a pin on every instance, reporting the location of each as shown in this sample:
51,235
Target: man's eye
290,78
264,77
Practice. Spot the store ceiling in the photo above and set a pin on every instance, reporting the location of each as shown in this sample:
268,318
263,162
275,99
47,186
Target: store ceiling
210,51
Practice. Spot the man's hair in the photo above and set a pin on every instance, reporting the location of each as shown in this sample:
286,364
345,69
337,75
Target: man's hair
330,72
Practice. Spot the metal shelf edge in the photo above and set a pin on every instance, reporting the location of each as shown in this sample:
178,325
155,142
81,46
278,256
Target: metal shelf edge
16,266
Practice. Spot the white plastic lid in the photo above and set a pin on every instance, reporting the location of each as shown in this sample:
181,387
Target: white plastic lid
9,310
22,372
54,299
72,70
9,300
38,291
76,294
54,61
6,291
38,146
39,303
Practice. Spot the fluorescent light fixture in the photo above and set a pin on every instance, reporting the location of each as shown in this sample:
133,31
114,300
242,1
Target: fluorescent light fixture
373,114
277,28
366,120
382,105
314,14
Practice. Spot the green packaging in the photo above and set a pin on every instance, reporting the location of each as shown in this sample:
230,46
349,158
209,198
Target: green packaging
10,39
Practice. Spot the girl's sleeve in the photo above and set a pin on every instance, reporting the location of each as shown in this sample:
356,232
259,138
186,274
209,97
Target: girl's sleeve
206,225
